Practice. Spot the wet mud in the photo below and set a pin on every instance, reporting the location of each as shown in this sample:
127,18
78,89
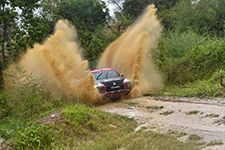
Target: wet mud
208,123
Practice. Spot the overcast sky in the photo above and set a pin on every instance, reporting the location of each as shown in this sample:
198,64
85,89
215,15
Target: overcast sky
110,7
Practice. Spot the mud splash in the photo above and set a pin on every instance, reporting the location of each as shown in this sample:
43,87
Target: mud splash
130,53
59,60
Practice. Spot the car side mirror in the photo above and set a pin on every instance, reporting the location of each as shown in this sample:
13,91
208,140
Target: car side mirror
121,75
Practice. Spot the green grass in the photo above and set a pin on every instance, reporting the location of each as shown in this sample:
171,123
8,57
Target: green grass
200,89
177,134
193,112
167,113
181,134
215,143
158,93
212,115
204,88
154,107
24,101
128,103
122,135
194,137
82,127
78,126
199,58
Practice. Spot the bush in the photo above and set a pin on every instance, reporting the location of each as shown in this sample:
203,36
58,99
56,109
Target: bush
34,137
177,45
95,45
196,58
4,106
10,127
26,94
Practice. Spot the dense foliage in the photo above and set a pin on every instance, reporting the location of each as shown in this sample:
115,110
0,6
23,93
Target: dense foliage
89,18
19,28
187,57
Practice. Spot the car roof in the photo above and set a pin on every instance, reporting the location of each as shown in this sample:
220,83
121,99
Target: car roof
98,70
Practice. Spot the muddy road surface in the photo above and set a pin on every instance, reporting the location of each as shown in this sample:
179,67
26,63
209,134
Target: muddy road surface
204,117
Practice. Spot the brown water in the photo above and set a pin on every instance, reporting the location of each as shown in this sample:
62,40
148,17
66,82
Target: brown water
60,62
130,53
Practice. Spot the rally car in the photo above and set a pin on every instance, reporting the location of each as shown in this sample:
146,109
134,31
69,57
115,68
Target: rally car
110,83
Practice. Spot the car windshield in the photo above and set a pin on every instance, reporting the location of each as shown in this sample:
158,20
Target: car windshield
107,74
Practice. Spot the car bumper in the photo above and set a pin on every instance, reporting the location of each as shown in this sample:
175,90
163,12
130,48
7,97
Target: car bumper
117,92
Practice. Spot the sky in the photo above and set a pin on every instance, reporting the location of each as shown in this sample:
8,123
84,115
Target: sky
110,7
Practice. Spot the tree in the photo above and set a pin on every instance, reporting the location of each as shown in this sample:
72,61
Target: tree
7,23
117,3
133,8
164,13
34,24
84,14
18,30
203,17
217,8
89,18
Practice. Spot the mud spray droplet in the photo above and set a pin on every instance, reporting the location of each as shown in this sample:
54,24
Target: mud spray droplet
59,59
131,53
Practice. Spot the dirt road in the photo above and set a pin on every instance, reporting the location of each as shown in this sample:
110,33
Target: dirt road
206,118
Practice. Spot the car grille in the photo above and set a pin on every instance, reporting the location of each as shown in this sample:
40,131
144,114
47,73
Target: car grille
114,85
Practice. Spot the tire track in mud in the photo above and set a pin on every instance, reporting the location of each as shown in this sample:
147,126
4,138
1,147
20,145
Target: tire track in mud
208,122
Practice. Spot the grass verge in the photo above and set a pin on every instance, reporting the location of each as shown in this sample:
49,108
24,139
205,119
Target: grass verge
26,105
82,127
200,89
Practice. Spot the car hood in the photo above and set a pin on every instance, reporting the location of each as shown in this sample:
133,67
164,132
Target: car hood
111,82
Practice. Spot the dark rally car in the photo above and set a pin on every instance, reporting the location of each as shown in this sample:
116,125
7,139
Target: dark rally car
110,83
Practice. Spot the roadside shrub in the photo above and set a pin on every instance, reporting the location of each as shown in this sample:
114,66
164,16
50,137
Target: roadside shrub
4,134
96,44
80,114
34,137
9,128
187,57
4,106
90,118
26,94
200,88
177,45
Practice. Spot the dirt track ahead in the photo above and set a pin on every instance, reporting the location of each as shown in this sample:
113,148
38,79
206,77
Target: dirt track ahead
190,115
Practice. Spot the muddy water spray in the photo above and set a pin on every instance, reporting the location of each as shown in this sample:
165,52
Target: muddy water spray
130,55
60,62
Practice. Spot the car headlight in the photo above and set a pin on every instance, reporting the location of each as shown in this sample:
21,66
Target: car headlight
126,84
101,88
